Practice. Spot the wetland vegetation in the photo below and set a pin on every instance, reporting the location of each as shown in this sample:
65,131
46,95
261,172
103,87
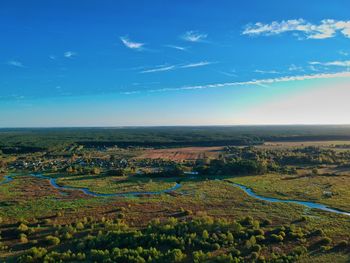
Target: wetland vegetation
207,219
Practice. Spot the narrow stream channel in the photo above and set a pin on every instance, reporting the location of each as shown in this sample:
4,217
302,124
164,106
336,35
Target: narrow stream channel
53,182
247,190
251,193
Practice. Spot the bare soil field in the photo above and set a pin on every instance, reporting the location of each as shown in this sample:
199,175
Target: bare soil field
180,154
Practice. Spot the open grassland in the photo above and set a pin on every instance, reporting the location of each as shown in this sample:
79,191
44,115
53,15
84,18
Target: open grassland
115,184
28,198
218,199
330,190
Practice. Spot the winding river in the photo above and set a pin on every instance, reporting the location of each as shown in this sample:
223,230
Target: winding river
248,191
313,205
53,182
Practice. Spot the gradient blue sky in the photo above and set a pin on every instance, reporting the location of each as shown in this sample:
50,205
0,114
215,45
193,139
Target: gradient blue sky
115,63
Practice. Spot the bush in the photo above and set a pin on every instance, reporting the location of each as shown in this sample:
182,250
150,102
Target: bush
258,232
235,252
343,244
22,228
325,241
95,171
79,226
254,256
266,222
256,248
34,253
67,236
51,240
23,238
276,238
300,250
175,255
318,232
47,221
259,238
116,172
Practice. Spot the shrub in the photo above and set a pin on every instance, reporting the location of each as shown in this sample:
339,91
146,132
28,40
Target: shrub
205,234
175,255
79,226
22,228
230,237
23,238
247,221
47,221
36,253
303,219
258,232
121,216
235,252
116,172
325,241
318,232
67,236
254,255
266,222
282,233
51,240
343,244
325,248
95,171
256,248
259,238
299,250
216,246
276,238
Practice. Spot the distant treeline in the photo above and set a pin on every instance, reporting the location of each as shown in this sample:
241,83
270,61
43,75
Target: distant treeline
236,142
21,149
308,138
12,140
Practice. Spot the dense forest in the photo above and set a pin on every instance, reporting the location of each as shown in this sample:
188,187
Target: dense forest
201,239
26,140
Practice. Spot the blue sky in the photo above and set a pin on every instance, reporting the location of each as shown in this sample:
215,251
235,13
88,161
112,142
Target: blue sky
114,63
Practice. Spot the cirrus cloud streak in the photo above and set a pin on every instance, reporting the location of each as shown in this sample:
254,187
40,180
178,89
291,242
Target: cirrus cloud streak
327,28
259,82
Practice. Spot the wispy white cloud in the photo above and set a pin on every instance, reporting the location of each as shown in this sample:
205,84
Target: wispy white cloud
131,44
53,57
15,63
159,69
130,92
195,65
194,36
343,53
272,80
327,28
259,82
294,67
177,47
338,63
173,67
231,73
69,54
266,71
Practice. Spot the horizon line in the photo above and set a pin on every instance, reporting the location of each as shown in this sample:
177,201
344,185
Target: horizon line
173,126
